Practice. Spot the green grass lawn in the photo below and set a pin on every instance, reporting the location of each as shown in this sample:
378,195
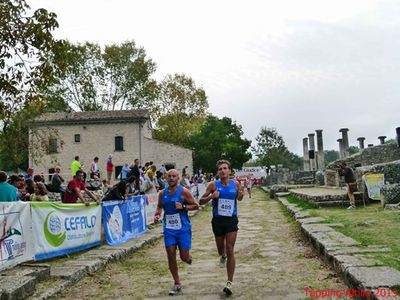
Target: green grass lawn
371,225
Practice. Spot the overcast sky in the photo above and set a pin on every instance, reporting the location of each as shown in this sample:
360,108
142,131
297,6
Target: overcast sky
293,65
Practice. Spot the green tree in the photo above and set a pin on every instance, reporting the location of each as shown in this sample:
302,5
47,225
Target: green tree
219,139
271,150
26,56
330,156
179,109
91,79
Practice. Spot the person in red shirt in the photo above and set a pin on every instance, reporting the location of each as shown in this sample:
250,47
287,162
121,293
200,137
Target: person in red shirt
73,194
110,168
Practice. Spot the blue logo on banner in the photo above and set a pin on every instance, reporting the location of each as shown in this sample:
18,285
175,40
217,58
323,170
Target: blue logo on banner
124,220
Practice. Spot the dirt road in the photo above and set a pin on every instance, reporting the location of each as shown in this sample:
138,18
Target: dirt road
272,262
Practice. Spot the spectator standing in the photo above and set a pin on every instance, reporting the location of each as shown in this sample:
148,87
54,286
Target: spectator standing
40,193
150,184
74,188
184,171
160,181
8,192
57,180
29,173
75,166
351,183
135,171
125,171
109,168
94,169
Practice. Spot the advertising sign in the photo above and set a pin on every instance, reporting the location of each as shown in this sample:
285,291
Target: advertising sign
16,239
124,220
61,229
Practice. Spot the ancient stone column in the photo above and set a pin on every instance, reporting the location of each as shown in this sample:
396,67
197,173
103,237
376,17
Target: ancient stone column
382,139
306,159
312,149
341,154
345,141
361,140
398,136
320,147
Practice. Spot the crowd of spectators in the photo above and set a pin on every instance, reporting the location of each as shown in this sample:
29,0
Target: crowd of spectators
133,180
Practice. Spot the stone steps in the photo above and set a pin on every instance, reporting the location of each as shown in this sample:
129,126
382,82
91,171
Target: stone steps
347,256
19,283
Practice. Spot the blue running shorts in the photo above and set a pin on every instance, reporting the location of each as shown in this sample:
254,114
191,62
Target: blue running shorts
181,238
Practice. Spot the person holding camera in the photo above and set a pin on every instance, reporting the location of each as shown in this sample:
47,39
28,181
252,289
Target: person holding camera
351,183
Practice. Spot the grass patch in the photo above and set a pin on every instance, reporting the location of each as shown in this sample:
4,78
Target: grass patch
300,203
371,226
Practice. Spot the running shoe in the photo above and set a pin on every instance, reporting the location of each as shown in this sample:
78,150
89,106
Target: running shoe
228,288
222,261
351,207
175,290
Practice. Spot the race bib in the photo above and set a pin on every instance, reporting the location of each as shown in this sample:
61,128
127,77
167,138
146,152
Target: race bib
173,221
225,207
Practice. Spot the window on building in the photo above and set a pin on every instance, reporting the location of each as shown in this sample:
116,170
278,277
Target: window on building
119,143
53,145
77,138
118,170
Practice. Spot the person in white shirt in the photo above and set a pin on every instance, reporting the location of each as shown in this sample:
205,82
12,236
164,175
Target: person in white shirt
94,169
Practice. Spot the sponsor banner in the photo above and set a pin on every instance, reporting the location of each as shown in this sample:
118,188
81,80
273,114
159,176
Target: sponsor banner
374,183
16,239
61,229
151,206
124,220
201,188
250,172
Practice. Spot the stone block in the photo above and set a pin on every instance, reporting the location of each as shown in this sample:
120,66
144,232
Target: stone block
373,277
311,220
17,286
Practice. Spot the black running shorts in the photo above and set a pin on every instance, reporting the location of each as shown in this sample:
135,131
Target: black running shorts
223,225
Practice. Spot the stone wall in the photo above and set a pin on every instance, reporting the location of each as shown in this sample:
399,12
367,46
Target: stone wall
284,176
371,156
161,153
99,140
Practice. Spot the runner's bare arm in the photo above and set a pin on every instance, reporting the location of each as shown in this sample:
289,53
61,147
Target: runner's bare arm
240,190
157,215
189,203
209,194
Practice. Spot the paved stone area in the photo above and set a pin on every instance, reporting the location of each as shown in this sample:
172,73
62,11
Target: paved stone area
273,262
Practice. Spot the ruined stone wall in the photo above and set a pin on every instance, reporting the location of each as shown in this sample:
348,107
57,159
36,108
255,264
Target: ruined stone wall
371,156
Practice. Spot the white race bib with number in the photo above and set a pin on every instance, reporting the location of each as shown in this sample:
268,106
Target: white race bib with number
225,207
173,221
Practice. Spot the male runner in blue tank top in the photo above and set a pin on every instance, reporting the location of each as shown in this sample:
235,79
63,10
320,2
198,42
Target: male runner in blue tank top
176,201
224,194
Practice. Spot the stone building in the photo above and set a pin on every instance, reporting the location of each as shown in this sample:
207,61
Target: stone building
56,138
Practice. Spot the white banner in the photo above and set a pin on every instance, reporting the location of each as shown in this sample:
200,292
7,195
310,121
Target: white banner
60,229
16,239
151,206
